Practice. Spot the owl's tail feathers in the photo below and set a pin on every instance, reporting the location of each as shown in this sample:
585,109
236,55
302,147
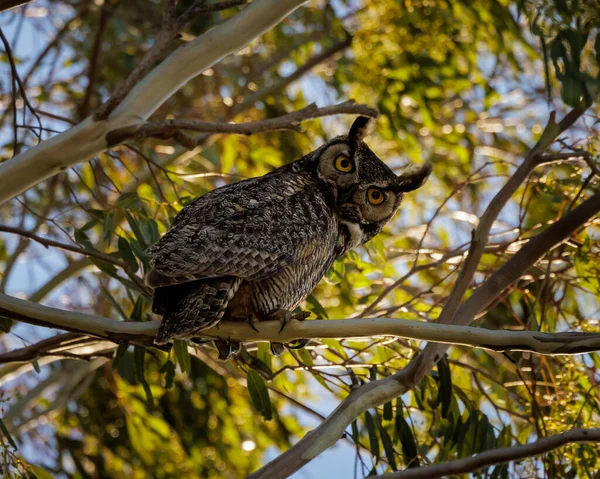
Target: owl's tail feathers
189,308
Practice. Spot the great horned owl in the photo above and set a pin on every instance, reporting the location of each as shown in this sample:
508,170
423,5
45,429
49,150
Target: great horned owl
254,250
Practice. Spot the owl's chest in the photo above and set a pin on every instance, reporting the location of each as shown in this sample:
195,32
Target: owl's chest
312,257
288,288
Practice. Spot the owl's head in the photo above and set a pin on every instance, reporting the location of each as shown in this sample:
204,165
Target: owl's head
364,191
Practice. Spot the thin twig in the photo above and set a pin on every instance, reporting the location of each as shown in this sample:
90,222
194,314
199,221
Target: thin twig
106,12
76,249
34,351
16,78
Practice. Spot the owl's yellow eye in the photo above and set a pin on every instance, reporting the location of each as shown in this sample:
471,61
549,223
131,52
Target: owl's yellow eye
343,164
375,196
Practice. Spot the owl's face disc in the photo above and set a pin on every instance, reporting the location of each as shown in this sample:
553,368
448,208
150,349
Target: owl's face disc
365,191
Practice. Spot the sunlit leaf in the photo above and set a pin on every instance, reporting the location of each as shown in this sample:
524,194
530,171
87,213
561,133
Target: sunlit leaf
259,394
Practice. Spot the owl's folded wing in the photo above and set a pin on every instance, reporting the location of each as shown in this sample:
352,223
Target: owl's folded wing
247,248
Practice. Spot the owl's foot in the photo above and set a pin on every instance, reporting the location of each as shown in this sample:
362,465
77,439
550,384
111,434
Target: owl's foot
252,320
227,348
277,349
284,316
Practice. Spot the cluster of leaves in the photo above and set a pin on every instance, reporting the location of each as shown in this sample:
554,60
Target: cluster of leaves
569,34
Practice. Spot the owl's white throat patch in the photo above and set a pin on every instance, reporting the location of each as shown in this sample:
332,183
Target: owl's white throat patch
356,233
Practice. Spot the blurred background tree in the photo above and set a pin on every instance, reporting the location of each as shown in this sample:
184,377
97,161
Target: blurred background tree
466,86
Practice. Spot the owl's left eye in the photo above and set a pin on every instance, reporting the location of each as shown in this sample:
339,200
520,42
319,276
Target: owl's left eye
375,196
344,164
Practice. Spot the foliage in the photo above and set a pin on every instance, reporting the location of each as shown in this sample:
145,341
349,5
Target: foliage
464,85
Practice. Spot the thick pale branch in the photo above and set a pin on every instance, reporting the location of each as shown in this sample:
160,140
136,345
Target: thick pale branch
498,456
118,331
331,429
88,138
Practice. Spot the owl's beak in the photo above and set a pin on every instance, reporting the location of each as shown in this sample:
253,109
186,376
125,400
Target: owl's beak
346,195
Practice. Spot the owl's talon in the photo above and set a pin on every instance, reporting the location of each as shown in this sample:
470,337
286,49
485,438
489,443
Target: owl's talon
252,320
277,349
227,349
282,315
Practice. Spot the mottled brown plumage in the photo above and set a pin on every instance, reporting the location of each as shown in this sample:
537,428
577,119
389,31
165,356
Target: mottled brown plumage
255,249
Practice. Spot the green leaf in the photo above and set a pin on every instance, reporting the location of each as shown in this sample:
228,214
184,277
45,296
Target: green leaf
9,438
109,226
36,366
406,438
256,363
504,438
150,231
5,324
257,387
127,255
83,239
168,370
355,433
388,411
316,307
121,350
588,271
183,356
138,309
114,303
264,354
373,439
105,267
445,388
130,201
136,229
305,357
139,353
388,447
337,272
40,473
335,345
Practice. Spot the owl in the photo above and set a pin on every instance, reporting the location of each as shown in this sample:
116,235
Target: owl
254,250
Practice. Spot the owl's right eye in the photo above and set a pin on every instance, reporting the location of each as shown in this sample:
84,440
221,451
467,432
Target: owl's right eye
344,164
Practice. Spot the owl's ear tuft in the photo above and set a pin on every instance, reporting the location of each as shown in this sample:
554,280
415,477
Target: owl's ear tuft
361,127
412,180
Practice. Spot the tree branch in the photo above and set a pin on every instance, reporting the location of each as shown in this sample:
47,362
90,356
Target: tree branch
378,392
482,232
497,456
333,50
106,12
88,138
529,254
34,351
566,343
170,128
8,4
